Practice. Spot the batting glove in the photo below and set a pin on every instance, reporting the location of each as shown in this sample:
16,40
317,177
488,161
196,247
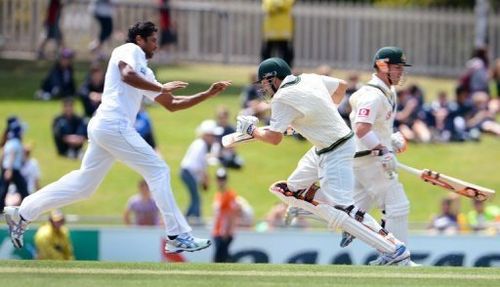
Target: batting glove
389,162
246,124
398,142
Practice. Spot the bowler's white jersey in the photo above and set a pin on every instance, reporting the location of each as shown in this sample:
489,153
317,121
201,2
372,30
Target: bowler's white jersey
120,100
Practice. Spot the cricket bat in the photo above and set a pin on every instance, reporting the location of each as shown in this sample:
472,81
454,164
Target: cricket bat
452,184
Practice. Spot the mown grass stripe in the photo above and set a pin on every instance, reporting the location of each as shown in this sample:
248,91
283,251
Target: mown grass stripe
249,273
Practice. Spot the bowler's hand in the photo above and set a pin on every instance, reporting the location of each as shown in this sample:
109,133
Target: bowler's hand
173,86
218,87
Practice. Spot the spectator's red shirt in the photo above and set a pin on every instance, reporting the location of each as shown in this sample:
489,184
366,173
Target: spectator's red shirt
53,12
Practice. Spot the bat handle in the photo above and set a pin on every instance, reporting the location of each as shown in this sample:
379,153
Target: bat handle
409,169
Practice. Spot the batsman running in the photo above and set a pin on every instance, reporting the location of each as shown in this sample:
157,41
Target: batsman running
307,103
112,136
372,118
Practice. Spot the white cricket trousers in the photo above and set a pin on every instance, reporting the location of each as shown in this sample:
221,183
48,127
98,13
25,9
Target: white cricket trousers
374,188
110,140
333,170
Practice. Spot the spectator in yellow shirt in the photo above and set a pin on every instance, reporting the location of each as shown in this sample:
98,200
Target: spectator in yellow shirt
278,30
52,239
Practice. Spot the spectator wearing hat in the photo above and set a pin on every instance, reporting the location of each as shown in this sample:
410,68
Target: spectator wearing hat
60,82
227,212
194,167
52,239
69,131
12,161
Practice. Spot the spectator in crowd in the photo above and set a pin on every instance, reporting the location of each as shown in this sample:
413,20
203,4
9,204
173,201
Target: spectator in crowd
410,116
90,92
142,207
246,212
252,103
446,221
437,115
483,117
278,30
52,29
227,156
69,131
12,161
226,215
144,126
344,107
103,13
194,167
60,82
52,240
30,170
484,217
479,74
168,36
460,111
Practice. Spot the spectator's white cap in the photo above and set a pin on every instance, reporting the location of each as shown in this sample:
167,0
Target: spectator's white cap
209,127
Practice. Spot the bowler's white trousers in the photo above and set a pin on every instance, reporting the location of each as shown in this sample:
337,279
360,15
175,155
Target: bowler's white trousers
110,140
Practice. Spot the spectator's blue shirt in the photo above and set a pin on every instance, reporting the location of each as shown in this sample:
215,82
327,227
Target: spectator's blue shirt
14,147
143,123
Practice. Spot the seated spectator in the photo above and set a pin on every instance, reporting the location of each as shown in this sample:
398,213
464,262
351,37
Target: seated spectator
52,239
460,111
437,114
226,215
483,117
144,127
410,115
227,156
91,90
142,207
484,218
194,167
69,131
60,82
446,221
12,161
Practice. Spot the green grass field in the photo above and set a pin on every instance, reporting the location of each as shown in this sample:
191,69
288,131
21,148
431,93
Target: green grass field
75,274
474,162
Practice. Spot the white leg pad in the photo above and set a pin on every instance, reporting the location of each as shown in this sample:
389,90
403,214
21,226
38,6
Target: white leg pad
340,219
